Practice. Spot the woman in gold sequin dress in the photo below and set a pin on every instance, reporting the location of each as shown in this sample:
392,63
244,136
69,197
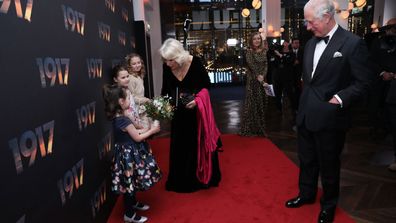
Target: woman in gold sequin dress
253,116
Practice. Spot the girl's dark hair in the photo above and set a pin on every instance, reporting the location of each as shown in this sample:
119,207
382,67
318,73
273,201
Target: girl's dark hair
118,68
128,59
111,94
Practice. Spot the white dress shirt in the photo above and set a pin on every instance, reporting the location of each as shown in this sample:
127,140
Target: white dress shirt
319,49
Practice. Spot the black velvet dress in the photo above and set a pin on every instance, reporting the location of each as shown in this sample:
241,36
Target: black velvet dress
183,144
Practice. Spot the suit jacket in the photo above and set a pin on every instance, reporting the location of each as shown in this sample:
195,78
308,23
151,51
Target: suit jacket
384,59
391,96
343,69
297,69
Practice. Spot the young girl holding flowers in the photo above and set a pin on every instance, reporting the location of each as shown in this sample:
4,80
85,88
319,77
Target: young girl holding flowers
134,167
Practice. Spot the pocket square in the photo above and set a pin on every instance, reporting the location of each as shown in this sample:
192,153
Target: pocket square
337,54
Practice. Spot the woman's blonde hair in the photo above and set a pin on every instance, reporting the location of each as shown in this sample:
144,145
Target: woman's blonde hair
251,40
128,59
172,49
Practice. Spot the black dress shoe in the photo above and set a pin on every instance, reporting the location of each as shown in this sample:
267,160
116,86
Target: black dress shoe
326,216
298,202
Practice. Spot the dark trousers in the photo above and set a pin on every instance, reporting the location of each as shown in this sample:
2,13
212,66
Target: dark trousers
376,106
392,118
129,202
319,154
285,88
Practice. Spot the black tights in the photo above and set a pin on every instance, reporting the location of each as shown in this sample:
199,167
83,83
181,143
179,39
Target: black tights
129,202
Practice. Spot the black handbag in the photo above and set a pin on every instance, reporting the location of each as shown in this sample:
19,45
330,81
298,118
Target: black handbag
186,98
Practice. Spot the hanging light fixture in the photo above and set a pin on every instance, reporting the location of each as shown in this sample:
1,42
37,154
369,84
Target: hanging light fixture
374,26
270,28
256,4
344,13
360,3
245,12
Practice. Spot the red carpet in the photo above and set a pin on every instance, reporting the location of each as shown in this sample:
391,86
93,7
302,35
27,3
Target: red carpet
257,180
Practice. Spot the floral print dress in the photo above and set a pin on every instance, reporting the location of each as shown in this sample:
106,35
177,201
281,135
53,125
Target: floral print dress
134,167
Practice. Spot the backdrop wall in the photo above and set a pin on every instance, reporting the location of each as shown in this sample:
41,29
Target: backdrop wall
55,143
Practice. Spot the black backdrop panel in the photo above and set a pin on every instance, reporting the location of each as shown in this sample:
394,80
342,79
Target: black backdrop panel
55,143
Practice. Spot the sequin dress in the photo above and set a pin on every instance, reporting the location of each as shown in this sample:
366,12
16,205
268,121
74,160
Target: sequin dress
253,116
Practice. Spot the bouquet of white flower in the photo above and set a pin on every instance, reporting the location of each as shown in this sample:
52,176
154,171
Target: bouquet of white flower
159,108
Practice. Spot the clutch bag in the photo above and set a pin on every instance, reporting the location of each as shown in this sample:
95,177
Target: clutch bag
186,98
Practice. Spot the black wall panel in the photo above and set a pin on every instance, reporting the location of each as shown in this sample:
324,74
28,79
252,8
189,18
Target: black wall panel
55,143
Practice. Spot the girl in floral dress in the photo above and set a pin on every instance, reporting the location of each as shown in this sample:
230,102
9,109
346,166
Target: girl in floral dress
134,167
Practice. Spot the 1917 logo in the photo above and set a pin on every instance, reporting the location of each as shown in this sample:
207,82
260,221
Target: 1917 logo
50,68
86,115
104,146
18,8
110,4
72,180
94,68
98,199
74,20
121,38
124,14
27,144
104,31
115,62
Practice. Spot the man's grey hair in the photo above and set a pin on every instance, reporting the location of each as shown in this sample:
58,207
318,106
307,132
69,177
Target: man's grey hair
321,7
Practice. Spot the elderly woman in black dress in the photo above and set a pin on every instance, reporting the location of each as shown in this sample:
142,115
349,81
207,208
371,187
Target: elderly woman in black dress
184,79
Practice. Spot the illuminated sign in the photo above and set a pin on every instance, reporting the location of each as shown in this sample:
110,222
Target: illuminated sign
224,19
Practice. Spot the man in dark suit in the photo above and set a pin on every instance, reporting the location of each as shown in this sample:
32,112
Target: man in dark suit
297,72
335,73
298,59
384,54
